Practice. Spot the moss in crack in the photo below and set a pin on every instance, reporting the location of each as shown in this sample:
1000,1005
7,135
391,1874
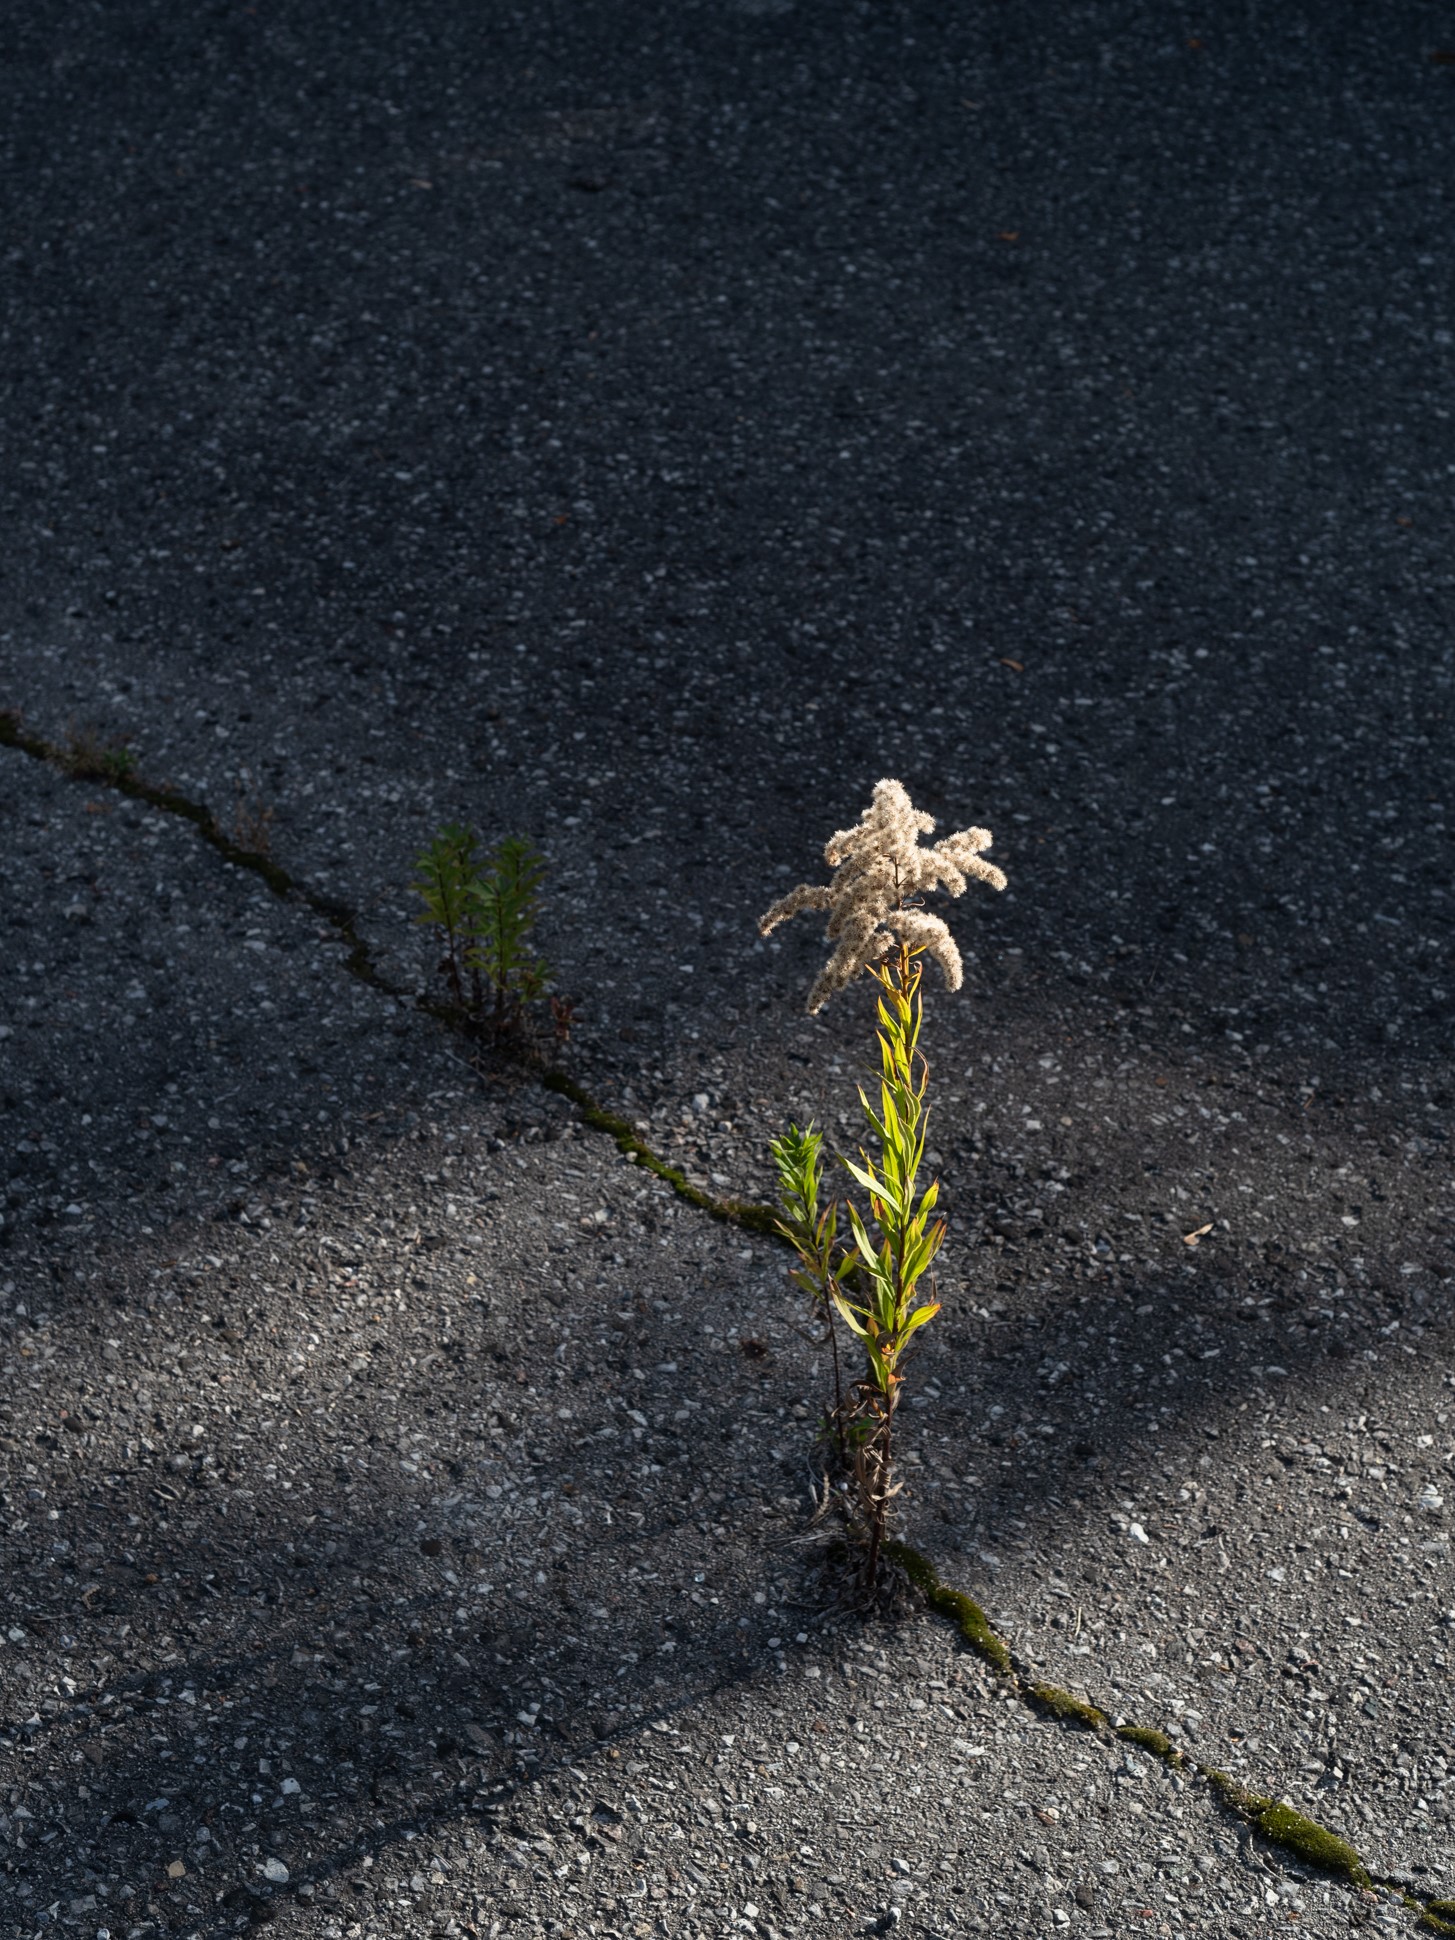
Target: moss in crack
1282,1826
1301,1837
734,1212
360,963
963,1611
1064,1707
1437,1917
756,1219
1151,1740
974,1626
13,735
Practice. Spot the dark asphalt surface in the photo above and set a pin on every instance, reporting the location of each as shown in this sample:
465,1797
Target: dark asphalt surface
642,428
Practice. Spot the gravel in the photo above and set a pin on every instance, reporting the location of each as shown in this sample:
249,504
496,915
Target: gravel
439,1554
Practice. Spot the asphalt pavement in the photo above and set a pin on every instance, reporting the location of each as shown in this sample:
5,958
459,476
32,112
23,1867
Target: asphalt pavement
642,429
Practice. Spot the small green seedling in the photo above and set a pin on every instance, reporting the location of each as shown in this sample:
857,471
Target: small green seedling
86,756
484,913
812,1230
447,870
503,901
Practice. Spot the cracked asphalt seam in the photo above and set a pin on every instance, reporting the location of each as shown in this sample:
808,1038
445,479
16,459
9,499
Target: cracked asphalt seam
1277,1826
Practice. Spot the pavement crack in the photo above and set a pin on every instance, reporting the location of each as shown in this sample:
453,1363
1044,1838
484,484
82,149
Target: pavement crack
737,1212
1277,1825
170,801
360,963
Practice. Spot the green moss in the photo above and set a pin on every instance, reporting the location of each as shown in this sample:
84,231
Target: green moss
1442,1909
735,1212
963,1611
1062,1706
757,1219
974,1627
1156,1742
1232,1794
1437,1917
919,1569
1282,1826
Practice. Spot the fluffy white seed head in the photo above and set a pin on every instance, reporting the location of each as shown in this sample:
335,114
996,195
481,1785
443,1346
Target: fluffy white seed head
879,869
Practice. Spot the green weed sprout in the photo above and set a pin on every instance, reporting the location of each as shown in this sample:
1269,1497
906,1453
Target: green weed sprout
484,913
877,923
447,870
812,1229
117,763
504,901
86,756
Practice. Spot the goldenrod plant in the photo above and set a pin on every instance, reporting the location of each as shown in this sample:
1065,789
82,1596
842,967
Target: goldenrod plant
901,1250
879,872
484,913
877,1281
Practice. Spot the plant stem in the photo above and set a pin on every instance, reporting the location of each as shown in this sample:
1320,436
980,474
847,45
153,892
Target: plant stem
879,1515
452,958
829,1322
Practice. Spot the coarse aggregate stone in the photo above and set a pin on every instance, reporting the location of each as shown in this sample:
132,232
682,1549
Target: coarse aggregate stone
373,1573
641,429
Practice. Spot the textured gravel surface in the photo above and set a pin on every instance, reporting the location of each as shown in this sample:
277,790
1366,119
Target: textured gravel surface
430,1549
647,427
641,429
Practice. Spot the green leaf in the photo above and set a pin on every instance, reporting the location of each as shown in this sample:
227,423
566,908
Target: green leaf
445,868
871,1257
850,1314
501,905
868,1179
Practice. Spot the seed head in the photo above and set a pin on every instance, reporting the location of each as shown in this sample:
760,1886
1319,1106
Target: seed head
879,869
